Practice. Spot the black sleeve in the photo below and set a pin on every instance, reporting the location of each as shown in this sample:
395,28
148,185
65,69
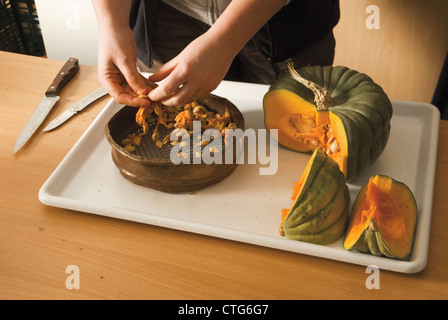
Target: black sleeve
297,26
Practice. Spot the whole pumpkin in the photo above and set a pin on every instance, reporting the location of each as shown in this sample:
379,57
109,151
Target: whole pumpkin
336,109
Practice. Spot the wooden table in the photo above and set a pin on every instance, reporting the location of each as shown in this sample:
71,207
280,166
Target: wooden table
126,260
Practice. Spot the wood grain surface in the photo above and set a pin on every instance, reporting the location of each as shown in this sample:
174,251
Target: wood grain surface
126,260
405,55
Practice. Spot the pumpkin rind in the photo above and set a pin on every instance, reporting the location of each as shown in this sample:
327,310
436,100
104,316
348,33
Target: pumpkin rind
360,104
319,213
327,215
383,219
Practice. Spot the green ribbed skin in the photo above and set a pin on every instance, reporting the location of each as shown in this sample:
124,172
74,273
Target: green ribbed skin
363,107
319,213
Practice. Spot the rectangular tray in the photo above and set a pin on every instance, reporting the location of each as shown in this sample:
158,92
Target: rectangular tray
246,206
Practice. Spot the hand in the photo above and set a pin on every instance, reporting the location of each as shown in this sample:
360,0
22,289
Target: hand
194,73
202,65
117,71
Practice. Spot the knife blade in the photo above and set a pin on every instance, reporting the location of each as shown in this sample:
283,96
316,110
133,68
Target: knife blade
74,109
66,73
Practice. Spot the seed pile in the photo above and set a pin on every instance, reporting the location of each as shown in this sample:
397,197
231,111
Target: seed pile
179,117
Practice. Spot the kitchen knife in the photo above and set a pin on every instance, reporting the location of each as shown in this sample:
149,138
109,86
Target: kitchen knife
74,109
67,72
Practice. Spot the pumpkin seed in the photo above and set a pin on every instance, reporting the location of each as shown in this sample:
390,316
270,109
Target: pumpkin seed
145,128
157,109
171,109
127,140
197,109
232,126
183,144
129,147
189,115
334,147
138,140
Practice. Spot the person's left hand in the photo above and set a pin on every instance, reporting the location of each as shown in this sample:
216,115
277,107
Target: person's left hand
194,73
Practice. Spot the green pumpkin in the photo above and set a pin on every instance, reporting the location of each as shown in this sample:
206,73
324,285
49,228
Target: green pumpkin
336,109
319,213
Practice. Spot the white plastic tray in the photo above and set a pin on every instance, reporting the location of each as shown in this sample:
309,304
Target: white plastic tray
246,206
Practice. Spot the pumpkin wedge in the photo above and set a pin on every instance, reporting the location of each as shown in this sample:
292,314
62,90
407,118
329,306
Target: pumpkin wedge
319,213
383,219
336,109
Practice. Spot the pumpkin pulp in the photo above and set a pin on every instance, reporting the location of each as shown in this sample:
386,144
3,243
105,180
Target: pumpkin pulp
314,104
388,208
303,128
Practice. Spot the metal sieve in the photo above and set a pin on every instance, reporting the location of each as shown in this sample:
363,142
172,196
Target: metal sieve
151,166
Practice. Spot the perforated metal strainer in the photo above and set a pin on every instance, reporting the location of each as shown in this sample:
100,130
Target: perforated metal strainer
151,166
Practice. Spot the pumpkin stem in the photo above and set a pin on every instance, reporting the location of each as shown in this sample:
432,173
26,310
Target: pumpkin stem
322,97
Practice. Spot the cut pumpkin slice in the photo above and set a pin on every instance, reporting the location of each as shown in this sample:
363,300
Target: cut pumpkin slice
383,219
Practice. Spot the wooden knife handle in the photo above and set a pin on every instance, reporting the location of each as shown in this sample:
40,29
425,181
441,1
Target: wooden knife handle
67,72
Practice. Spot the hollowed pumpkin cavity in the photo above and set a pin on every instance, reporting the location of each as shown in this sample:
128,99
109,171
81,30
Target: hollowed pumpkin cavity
303,128
337,110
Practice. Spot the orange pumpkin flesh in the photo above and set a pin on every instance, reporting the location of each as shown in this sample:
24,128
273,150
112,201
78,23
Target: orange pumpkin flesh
302,128
388,208
338,110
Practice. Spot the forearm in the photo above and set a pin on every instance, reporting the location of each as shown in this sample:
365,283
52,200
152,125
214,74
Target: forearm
202,65
117,53
241,20
112,13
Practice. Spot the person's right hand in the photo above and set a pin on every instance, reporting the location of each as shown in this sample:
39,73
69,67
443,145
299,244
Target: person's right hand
117,71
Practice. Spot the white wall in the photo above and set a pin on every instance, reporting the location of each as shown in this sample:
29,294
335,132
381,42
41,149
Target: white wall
69,29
